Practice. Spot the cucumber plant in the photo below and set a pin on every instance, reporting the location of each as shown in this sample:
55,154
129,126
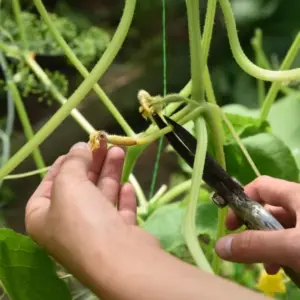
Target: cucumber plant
247,142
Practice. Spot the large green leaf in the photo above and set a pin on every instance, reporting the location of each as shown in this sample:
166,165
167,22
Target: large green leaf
271,156
244,126
26,272
245,122
166,223
240,110
284,118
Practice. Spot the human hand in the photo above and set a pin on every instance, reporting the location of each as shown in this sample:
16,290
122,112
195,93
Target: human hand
273,248
73,214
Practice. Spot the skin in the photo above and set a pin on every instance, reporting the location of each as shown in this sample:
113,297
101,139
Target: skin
86,220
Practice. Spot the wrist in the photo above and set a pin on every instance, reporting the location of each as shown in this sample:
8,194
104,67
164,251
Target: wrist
112,269
132,266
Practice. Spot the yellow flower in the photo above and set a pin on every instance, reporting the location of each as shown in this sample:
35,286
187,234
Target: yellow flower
271,284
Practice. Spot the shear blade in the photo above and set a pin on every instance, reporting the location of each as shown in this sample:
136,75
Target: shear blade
185,144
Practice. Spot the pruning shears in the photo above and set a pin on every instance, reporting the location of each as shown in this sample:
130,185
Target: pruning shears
227,190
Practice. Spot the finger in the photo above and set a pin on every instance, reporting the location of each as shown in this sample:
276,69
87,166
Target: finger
272,269
286,218
77,163
44,188
270,247
232,221
276,192
110,176
38,205
98,159
35,218
127,204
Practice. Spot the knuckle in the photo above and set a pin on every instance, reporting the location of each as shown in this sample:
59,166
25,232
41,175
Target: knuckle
262,181
70,158
109,183
290,249
62,179
243,245
61,157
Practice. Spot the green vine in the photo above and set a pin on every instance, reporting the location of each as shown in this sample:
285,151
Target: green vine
28,131
240,57
82,69
197,68
17,12
290,57
189,227
79,94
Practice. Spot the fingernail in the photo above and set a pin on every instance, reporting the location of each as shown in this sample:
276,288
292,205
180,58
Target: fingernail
223,246
80,145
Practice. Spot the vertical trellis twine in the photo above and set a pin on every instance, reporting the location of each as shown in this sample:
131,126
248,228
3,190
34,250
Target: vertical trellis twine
160,143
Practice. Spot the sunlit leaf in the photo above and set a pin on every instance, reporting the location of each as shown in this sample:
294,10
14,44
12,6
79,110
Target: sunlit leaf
241,110
285,121
166,223
26,271
244,126
271,156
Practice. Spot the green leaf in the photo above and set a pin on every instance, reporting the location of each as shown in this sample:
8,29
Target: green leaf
245,122
271,156
244,126
26,272
285,122
166,223
241,110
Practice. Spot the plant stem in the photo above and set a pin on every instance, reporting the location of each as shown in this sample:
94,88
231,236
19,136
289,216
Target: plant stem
189,228
263,60
196,50
29,133
5,149
257,47
174,192
142,201
186,90
206,41
197,67
154,201
6,134
132,155
79,94
81,68
213,118
208,28
214,121
209,90
40,73
18,16
239,142
274,89
240,57
27,174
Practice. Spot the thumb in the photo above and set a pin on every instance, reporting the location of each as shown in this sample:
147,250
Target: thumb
279,247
